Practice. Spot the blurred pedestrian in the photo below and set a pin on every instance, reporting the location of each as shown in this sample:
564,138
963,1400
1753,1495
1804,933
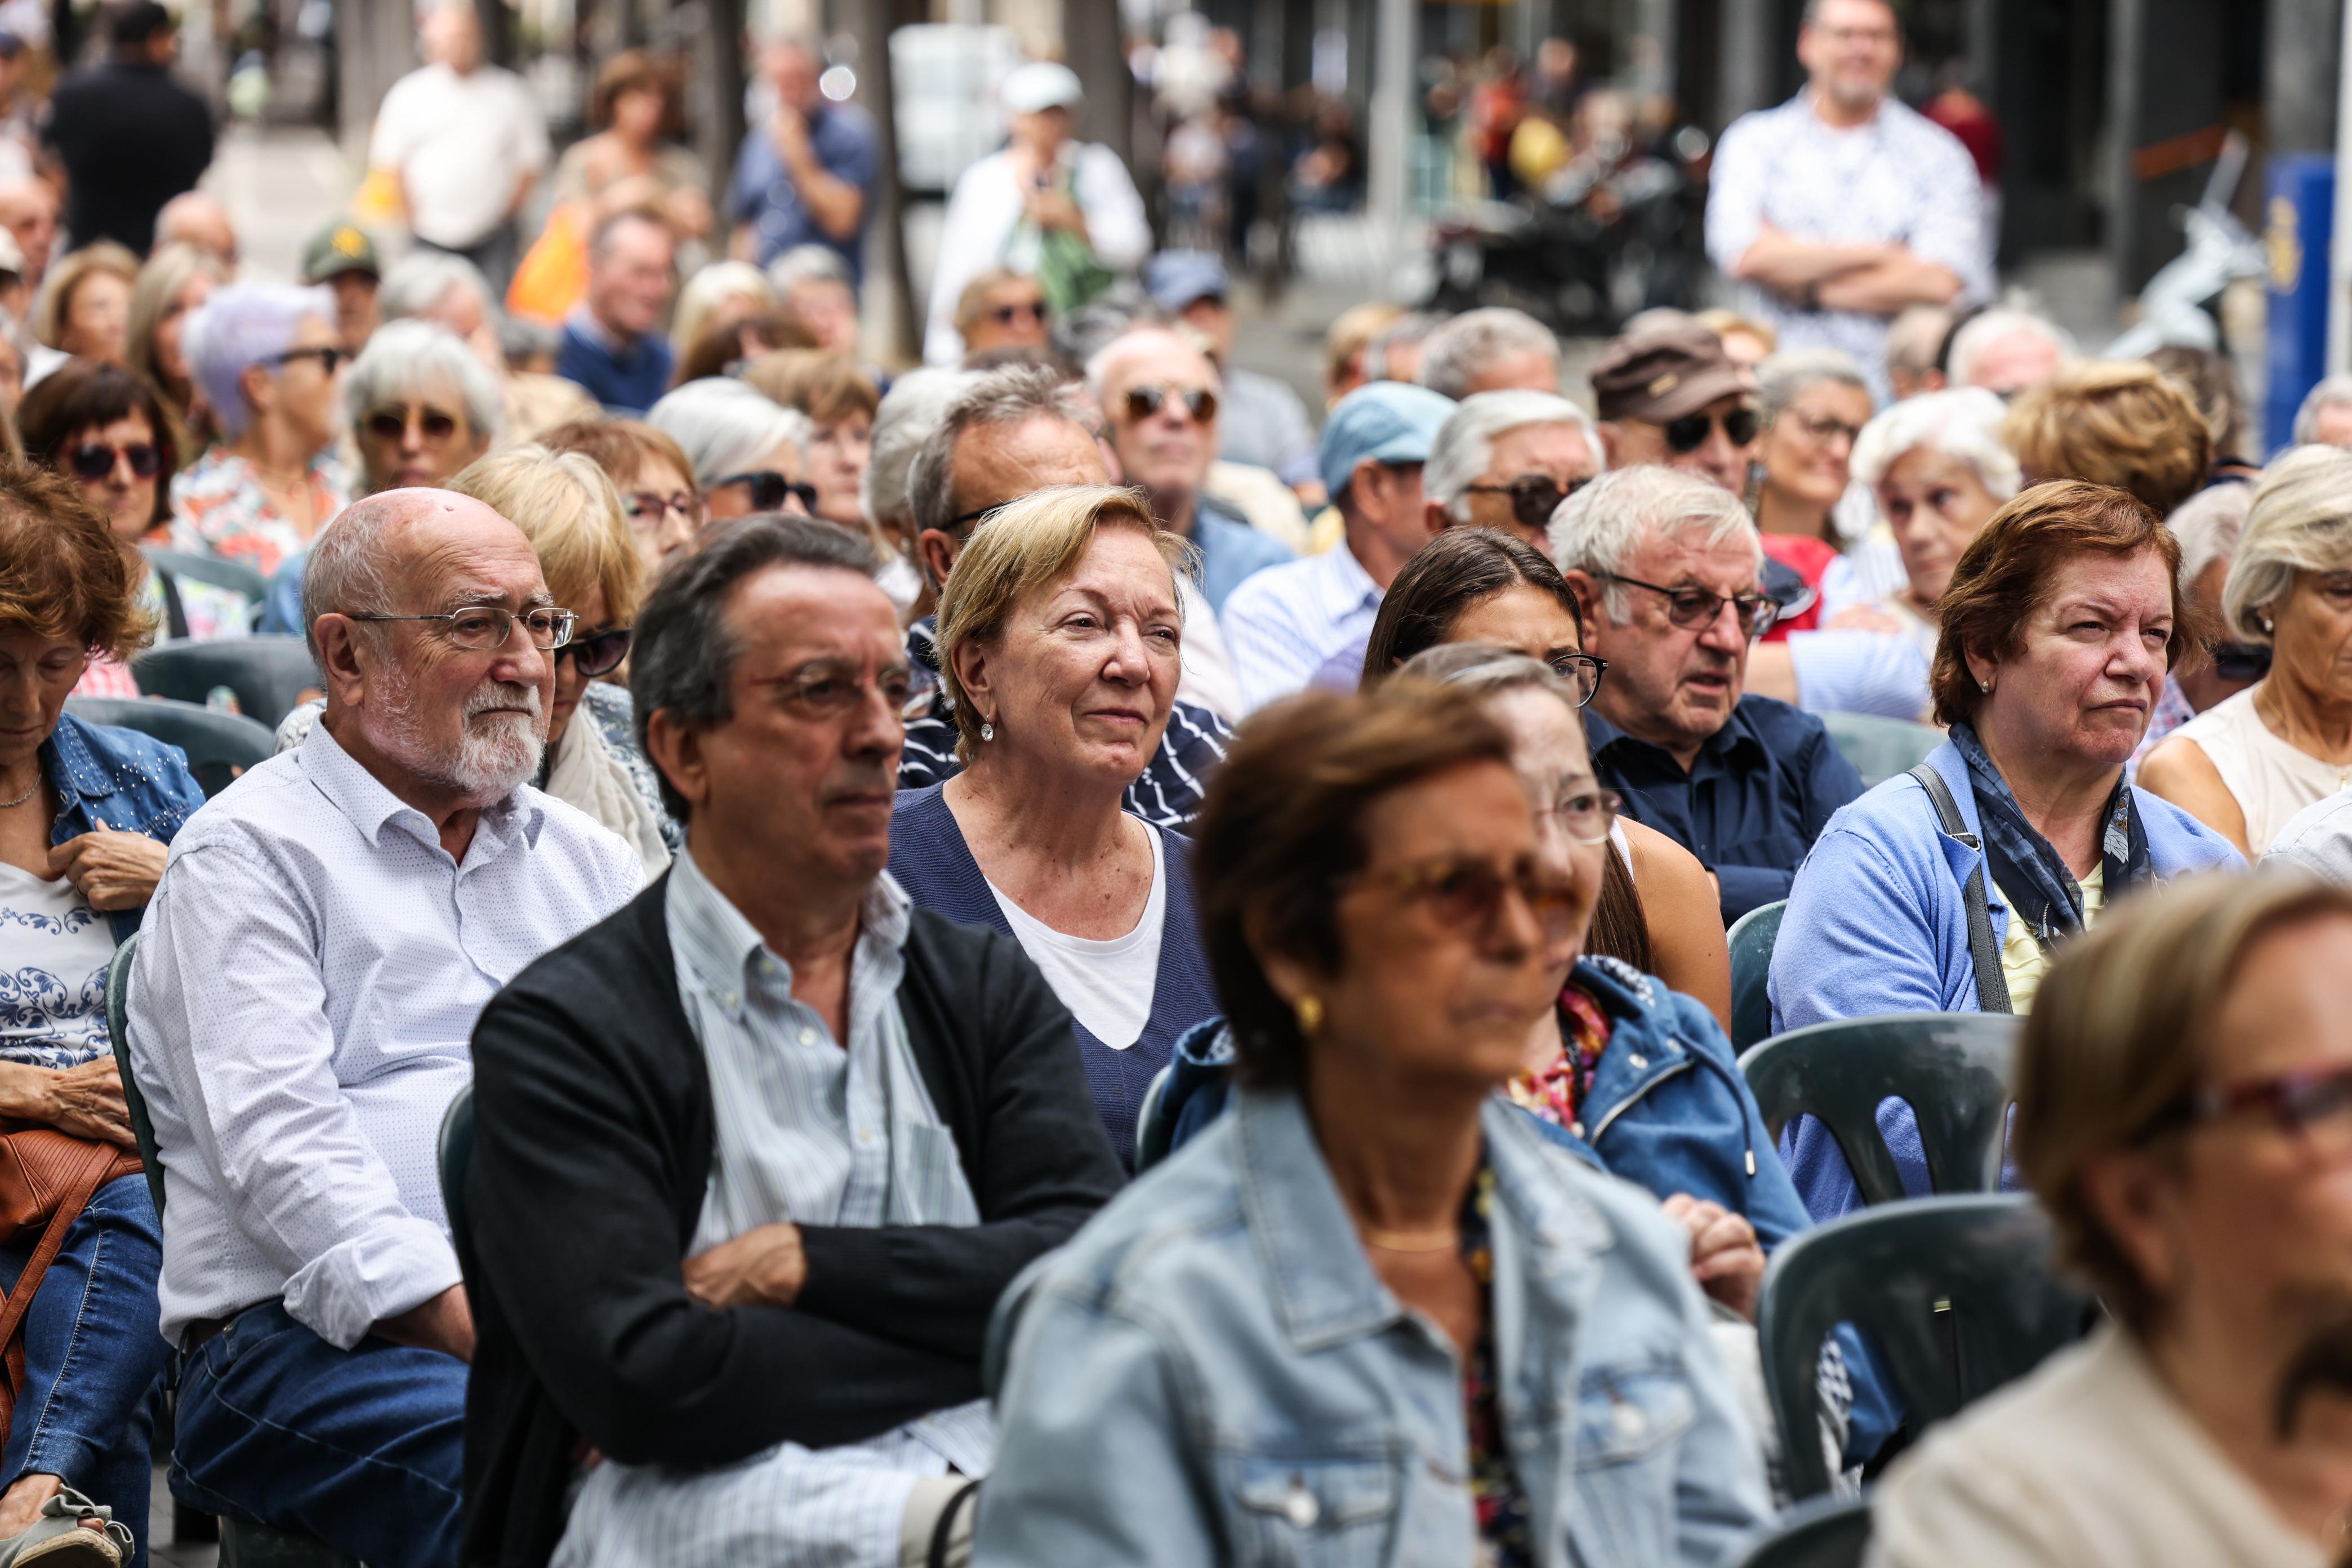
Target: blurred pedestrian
1002,309
343,257
807,174
1843,206
20,134
465,141
198,218
2008,349
840,400
1066,211
613,344
716,296
28,211
1346,347
638,101
1495,349
84,305
128,135
1265,423
816,288
175,282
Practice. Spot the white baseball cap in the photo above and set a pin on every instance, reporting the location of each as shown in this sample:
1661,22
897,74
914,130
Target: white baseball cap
1040,84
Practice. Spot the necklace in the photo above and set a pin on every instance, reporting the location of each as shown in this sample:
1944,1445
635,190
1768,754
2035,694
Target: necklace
1410,1240
28,795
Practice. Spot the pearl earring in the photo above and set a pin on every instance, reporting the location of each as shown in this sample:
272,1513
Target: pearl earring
987,730
1987,686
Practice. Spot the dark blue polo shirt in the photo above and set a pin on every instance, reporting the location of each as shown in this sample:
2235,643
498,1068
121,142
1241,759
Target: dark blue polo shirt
1757,794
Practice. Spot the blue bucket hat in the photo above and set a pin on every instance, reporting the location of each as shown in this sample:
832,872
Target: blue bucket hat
1389,421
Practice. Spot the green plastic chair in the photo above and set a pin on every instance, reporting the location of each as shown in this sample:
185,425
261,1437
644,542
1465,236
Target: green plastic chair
218,745
1952,1068
1881,748
456,1158
1957,1295
1821,1533
1751,938
234,575
269,674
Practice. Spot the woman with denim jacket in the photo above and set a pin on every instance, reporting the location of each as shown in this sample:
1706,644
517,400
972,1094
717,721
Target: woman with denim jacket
1360,1320
85,814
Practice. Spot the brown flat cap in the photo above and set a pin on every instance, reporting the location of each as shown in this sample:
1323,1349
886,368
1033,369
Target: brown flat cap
1660,375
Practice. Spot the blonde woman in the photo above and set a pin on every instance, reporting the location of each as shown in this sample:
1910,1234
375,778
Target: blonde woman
85,303
720,292
176,281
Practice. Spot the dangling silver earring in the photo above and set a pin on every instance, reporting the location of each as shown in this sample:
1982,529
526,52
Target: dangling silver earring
987,730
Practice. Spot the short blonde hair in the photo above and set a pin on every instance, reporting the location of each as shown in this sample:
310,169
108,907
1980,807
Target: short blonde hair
2129,425
974,297
569,510
57,289
2117,1041
2299,521
1019,551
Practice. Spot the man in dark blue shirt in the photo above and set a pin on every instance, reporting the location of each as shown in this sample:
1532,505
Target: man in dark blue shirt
1665,567
807,174
613,344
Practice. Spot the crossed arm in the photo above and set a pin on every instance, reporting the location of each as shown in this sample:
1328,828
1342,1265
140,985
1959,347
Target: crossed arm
1873,278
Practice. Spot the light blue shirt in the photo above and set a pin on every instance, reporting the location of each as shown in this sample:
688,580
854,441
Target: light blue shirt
1232,552
1282,623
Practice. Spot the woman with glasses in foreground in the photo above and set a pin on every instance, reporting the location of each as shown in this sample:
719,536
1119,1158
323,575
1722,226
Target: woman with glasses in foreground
2184,1112
1359,1320
1944,889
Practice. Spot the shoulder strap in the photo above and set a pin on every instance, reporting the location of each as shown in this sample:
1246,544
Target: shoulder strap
175,615
1992,990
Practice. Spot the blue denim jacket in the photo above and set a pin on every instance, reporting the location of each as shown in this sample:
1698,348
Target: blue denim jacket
105,775
1211,1372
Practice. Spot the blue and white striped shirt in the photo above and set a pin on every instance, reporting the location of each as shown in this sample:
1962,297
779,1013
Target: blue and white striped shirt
1282,623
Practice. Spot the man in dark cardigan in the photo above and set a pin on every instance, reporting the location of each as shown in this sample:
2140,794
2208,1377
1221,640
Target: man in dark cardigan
755,1157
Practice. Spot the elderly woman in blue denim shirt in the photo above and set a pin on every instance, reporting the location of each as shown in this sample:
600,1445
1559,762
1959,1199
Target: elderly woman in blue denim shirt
85,814
1361,1320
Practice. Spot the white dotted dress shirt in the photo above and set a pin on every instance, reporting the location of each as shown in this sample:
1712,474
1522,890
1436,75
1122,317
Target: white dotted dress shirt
302,1012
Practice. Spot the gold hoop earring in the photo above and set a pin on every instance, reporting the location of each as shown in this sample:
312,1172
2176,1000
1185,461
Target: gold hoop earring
1308,1011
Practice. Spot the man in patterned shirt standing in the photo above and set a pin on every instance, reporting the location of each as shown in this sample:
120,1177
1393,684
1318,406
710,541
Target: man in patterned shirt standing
1842,207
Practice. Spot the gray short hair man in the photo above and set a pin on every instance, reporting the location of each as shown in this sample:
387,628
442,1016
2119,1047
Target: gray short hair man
1492,350
2008,349
1012,431
1509,460
2324,418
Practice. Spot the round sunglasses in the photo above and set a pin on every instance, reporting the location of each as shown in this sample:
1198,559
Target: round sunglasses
770,487
1688,434
1143,402
391,423
598,655
94,460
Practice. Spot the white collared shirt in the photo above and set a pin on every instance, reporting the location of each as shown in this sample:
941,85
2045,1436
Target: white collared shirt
1282,623
302,1011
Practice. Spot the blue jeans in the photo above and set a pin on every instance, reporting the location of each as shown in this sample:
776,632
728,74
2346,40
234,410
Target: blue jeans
93,1360
362,1448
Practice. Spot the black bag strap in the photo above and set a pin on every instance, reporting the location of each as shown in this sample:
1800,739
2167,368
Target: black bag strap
1992,989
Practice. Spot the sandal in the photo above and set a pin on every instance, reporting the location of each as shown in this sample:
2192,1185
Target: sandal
62,1536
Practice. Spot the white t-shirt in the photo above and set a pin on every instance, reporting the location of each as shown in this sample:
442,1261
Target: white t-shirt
1107,985
54,952
461,144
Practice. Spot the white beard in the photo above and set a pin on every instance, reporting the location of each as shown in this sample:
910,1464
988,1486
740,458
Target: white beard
494,756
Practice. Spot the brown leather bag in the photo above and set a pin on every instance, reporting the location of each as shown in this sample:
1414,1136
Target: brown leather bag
45,1178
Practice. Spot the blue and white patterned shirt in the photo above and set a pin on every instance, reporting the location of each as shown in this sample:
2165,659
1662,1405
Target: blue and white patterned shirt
54,953
1283,623
1902,179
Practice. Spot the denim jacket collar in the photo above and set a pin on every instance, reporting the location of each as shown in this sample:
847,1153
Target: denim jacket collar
1323,1287
1643,1048
72,767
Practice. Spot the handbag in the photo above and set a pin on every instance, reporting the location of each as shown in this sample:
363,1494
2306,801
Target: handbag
45,1179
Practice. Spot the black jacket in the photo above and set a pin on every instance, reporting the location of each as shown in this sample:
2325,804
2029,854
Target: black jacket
132,137
593,1140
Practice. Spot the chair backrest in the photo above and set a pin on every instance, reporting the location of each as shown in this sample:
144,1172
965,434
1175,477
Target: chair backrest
269,674
1822,1532
218,745
1881,748
1957,1295
1952,1068
457,1153
1153,1127
1751,938
118,1031
234,575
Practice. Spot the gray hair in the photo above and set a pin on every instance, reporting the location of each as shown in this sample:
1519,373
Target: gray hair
1000,399
2300,520
2208,526
2335,392
241,326
1916,337
2002,322
683,653
1785,377
905,420
421,279
1454,355
807,264
1463,446
1099,367
1409,331
1600,527
407,359
1963,423
346,571
722,425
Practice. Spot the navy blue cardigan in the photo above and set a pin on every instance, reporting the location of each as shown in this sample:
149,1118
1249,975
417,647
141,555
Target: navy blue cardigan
931,862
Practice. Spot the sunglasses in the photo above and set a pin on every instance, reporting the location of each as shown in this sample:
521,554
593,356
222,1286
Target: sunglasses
94,460
1695,609
1143,402
770,487
1005,315
1688,434
1534,498
391,424
2242,660
1466,894
330,359
599,654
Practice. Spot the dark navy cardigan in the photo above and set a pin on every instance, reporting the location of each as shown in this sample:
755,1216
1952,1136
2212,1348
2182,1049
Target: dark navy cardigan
931,862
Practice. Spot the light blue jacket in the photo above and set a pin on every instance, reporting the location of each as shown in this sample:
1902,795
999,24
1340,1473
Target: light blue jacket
1211,1372
1876,923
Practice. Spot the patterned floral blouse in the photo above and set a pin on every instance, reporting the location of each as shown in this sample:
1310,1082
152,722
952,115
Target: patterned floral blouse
220,508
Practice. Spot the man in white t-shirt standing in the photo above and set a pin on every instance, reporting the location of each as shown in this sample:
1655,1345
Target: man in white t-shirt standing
1843,206
465,141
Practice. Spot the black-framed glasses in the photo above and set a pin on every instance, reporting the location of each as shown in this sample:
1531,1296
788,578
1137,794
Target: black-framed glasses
648,505
1199,402
1466,893
2313,1106
94,460
598,655
1582,671
329,357
770,487
1688,434
1695,609
390,423
2241,661
481,629
1533,497
1587,816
